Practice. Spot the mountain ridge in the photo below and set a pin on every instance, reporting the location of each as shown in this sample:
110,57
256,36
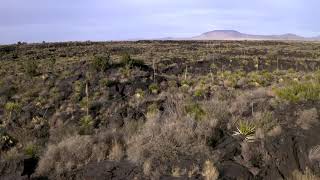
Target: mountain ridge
236,35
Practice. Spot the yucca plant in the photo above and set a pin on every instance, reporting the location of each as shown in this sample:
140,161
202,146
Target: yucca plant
245,129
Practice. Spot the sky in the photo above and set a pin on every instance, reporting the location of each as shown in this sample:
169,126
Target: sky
101,20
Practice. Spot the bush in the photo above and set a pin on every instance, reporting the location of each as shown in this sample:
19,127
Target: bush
195,110
12,107
154,88
210,172
86,124
307,118
127,60
245,129
31,150
101,63
306,175
297,92
77,151
31,68
164,141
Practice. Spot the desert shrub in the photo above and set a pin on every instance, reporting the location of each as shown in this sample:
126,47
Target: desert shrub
78,91
217,109
210,172
86,124
260,78
307,118
139,93
31,67
70,153
296,92
164,141
199,93
116,152
195,110
11,154
11,107
132,127
314,154
152,109
243,102
127,60
101,63
306,175
265,120
51,63
31,150
154,88
245,129
126,71
77,151
276,131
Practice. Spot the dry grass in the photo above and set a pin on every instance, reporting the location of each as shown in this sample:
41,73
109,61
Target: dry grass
68,154
210,172
307,175
77,151
164,140
243,102
314,153
308,118
117,152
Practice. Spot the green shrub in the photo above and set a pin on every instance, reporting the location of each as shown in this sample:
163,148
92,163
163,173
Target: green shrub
31,150
139,93
296,92
199,92
195,110
127,60
31,67
101,63
126,71
12,107
154,88
78,91
263,78
86,124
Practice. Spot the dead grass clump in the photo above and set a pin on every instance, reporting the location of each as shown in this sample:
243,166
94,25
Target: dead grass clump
116,152
307,175
243,103
77,151
163,142
314,153
307,118
68,154
210,172
217,110
265,120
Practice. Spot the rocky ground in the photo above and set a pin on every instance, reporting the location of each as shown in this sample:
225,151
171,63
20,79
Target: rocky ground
160,110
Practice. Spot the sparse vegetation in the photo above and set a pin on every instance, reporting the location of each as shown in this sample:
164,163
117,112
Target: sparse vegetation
101,62
160,109
245,129
303,91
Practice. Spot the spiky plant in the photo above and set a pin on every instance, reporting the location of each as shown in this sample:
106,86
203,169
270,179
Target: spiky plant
245,129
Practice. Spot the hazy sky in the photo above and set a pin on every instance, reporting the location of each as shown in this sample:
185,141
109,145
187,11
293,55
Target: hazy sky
69,20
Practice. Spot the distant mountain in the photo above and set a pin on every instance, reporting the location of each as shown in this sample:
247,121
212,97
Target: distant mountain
235,35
